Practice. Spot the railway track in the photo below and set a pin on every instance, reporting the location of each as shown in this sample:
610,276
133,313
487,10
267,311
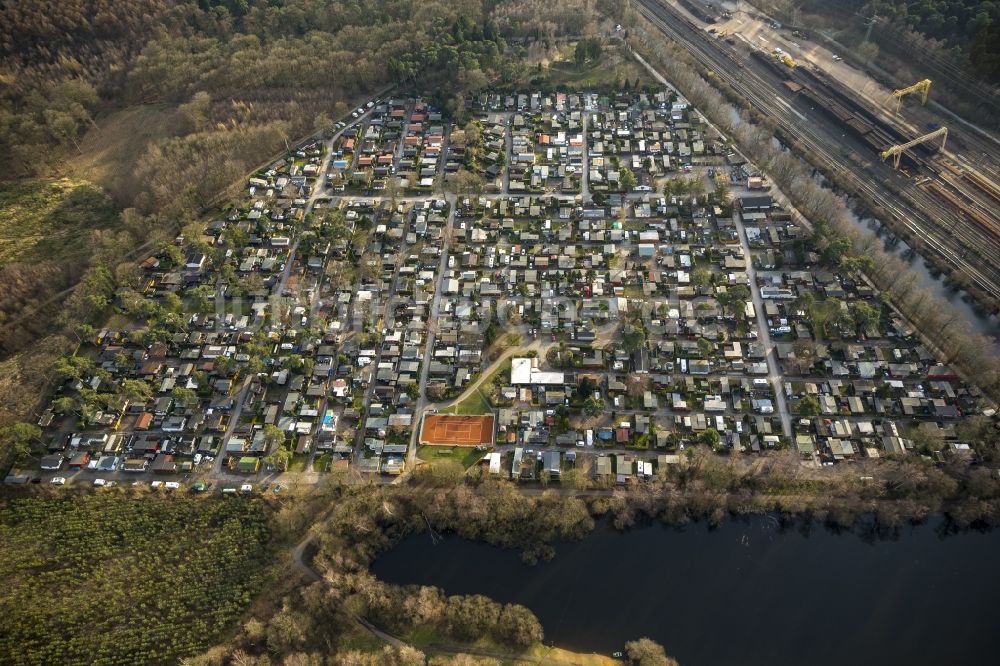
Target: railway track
954,240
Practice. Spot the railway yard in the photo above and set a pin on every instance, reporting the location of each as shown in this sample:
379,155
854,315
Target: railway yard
936,196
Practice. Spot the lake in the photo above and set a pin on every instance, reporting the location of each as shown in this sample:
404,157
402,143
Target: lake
750,591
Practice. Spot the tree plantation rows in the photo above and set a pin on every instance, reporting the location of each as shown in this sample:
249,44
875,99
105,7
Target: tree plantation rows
109,579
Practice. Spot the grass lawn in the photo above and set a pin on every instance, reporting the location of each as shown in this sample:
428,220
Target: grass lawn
466,456
614,68
322,463
360,639
298,462
427,636
424,635
475,404
48,219
541,654
550,655
479,402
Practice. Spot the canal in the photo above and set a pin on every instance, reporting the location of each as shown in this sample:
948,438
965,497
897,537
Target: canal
927,277
934,282
750,591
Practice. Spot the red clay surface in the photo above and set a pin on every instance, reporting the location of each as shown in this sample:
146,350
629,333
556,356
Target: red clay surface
449,430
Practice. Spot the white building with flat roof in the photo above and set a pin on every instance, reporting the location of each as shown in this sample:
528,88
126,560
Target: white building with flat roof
525,372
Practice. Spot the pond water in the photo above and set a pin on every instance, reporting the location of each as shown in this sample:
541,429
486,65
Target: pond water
933,281
750,591
927,277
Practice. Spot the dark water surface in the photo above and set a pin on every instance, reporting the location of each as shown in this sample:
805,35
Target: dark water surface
747,592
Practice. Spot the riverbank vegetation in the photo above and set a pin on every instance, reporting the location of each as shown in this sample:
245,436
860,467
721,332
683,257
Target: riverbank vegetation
95,543
335,616
708,485
345,617
110,579
365,521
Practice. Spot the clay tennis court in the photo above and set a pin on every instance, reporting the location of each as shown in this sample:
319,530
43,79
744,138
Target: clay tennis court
448,430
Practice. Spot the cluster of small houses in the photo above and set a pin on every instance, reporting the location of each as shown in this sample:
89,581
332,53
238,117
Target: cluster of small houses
399,139
527,464
538,141
552,265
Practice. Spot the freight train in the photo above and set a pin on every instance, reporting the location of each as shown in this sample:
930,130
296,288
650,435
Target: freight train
822,96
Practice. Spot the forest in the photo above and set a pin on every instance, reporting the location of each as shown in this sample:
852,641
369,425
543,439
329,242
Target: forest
961,34
109,579
968,24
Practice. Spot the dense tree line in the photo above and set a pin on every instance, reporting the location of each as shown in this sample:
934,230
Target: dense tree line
970,29
587,50
44,41
361,522
957,22
458,56
964,32
531,20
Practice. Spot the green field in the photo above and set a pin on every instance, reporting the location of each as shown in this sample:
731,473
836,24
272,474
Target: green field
466,456
479,401
474,405
613,69
49,219
109,579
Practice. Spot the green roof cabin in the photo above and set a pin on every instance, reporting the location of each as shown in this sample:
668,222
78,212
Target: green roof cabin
248,465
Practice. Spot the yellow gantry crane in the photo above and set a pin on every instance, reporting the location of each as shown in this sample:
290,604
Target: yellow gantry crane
897,151
922,87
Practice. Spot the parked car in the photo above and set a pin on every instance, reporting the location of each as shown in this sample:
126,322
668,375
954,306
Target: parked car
58,481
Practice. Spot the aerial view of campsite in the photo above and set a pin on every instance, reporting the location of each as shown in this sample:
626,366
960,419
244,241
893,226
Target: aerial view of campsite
499,332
